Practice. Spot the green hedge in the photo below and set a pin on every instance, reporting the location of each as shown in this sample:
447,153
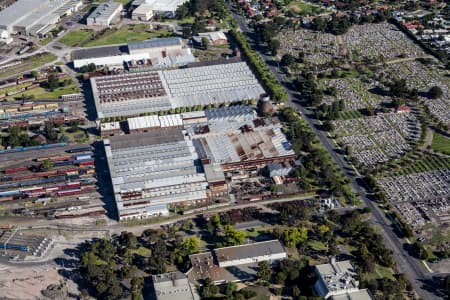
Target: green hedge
268,80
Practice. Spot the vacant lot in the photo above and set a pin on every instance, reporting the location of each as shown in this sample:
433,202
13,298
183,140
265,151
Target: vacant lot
130,33
75,37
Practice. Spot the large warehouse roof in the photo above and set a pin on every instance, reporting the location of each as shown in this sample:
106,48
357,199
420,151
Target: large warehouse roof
185,87
159,164
18,11
33,15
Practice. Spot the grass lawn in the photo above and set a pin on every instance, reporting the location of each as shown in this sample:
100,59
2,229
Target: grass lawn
380,272
425,163
14,88
130,33
142,251
441,143
317,245
74,37
303,8
28,63
42,93
46,40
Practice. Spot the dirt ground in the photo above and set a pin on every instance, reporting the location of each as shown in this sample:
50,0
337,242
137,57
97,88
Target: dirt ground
27,282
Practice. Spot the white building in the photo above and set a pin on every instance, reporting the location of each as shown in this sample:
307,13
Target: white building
4,37
162,52
250,253
143,12
166,8
104,14
336,279
35,17
234,264
173,286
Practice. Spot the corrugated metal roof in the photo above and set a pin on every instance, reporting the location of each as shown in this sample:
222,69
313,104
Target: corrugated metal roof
156,42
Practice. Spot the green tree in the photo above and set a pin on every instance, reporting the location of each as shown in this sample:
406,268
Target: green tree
233,237
435,92
287,60
137,283
52,82
293,236
264,271
190,245
46,164
213,224
230,288
208,289
274,45
205,42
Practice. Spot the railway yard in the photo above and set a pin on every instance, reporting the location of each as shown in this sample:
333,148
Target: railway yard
55,181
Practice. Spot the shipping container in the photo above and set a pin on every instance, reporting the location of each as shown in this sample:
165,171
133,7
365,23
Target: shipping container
62,163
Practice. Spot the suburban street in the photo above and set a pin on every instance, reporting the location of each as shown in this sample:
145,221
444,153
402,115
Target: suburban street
410,266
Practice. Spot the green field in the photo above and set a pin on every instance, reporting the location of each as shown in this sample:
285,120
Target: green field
350,114
130,33
425,164
29,63
303,8
441,143
75,37
42,93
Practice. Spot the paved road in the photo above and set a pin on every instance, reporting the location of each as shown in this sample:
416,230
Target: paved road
411,267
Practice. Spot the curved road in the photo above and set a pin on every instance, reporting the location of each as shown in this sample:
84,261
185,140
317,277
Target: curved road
410,266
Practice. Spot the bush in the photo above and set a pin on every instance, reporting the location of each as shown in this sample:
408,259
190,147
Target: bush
247,293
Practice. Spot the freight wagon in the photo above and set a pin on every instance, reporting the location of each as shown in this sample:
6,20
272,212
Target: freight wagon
69,192
75,150
15,170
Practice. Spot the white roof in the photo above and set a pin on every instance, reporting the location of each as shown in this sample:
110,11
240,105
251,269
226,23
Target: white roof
165,5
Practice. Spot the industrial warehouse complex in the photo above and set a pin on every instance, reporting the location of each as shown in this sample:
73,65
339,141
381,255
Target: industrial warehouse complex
135,93
35,17
185,159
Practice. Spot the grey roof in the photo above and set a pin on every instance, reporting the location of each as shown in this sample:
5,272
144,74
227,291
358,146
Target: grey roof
173,286
356,295
17,11
156,42
249,250
145,139
105,10
99,52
